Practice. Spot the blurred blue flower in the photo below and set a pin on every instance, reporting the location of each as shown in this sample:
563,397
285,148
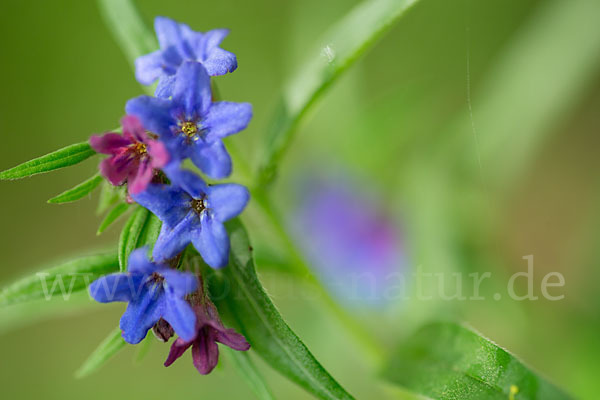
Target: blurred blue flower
153,291
192,211
178,43
353,246
190,124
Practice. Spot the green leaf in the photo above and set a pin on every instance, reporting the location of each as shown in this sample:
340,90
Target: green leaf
78,192
128,29
130,235
150,232
109,196
18,316
112,216
447,361
249,308
60,281
64,157
108,348
337,51
249,373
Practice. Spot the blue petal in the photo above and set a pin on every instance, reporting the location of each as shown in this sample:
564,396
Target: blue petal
172,240
181,316
170,34
220,62
213,38
116,287
154,113
211,158
139,263
188,181
164,90
227,200
212,242
167,32
226,118
192,90
179,283
149,67
169,203
142,314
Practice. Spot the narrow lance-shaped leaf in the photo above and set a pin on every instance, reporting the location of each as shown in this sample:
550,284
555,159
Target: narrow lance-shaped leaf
150,232
64,157
109,196
249,308
447,361
108,348
62,280
249,373
337,51
78,192
112,216
18,316
130,235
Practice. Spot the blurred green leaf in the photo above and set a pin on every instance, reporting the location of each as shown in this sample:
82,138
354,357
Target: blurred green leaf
128,28
112,216
249,373
131,234
78,192
447,361
108,348
143,349
68,278
518,105
248,306
338,50
64,157
21,315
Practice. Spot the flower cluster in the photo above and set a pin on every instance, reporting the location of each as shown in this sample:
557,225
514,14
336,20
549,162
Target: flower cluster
182,120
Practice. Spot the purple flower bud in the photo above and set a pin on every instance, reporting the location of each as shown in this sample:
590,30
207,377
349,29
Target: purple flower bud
210,330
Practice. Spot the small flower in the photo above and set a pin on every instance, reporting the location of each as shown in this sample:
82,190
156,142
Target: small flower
192,211
355,246
210,330
133,155
178,43
190,124
153,291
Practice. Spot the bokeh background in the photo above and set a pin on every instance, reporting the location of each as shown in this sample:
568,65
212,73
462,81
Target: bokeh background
474,123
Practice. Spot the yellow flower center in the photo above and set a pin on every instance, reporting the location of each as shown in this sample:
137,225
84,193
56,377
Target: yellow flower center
189,128
139,149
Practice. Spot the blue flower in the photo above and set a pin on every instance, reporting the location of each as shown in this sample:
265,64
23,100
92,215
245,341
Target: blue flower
178,43
190,124
354,245
192,211
153,291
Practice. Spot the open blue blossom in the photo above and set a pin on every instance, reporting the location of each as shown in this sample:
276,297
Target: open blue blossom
153,291
190,124
178,43
194,212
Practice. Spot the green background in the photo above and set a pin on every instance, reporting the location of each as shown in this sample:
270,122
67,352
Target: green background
396,120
